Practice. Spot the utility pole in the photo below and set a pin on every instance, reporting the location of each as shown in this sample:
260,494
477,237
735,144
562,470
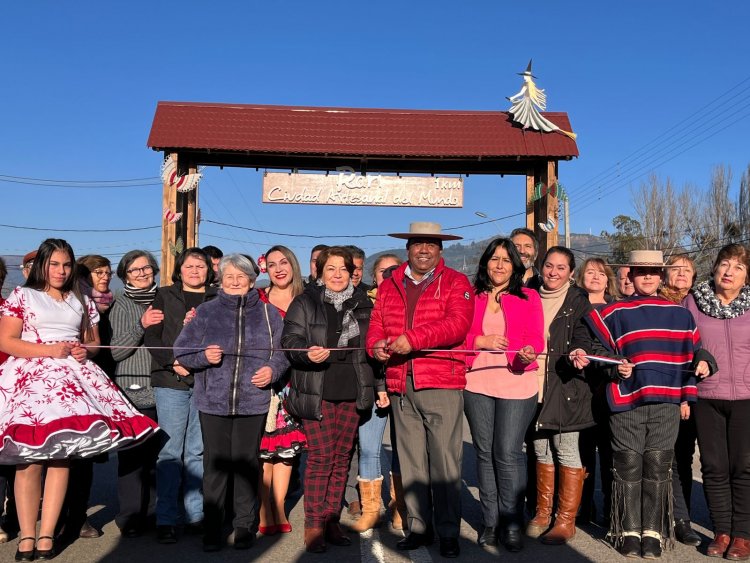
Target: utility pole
566,209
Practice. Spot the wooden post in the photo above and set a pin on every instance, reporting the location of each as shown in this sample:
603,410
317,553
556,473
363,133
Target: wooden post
530,211
548,208
191,214
168,230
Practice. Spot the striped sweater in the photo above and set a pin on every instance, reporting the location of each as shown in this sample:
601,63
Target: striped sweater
133,371
660,338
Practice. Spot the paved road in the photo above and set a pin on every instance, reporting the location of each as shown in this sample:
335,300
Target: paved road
378,546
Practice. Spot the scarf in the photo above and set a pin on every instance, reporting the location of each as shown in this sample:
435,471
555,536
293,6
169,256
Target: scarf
674,295
141,296
102,300
552,301
709,304
349,326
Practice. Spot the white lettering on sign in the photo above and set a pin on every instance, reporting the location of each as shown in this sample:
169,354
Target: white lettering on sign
347,187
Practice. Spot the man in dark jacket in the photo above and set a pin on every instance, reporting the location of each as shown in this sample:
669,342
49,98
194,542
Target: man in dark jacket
424,306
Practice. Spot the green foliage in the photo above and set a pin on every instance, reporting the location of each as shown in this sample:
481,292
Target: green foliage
627,236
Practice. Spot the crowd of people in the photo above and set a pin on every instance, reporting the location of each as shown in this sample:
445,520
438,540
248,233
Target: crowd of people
210,389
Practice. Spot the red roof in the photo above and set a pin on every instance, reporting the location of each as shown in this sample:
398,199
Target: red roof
352,131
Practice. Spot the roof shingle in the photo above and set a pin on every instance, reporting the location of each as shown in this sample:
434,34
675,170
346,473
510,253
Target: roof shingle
352,131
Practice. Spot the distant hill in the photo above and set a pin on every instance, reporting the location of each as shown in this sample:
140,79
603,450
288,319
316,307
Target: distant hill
15,277
465,257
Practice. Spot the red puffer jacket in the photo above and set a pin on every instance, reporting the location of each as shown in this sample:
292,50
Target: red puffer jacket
441,320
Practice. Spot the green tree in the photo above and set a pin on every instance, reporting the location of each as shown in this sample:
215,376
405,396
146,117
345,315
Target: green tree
627,236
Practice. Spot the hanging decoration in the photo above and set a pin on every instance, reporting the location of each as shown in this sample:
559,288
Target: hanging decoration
262,263
555,190
170,216
549,226
184,183
527,105
176,248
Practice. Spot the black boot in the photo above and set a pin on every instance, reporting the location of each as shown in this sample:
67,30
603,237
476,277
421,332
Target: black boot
684,533
627,467
657,495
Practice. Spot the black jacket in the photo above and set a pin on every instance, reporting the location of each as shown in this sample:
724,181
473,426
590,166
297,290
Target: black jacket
566,405
171,301
305,325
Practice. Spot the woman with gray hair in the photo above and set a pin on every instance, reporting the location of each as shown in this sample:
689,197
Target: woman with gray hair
130,316
230,345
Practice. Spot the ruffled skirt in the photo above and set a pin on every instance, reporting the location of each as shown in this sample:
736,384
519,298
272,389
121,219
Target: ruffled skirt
59,408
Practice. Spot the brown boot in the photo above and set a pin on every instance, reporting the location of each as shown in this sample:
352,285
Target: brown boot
369,491
568,501
334,534
397,505
314,541
545,493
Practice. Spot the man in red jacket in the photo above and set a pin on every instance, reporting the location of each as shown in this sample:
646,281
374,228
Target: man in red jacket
426,306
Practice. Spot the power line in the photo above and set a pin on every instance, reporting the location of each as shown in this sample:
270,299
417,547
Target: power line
79,230
616,167
626,180
85,184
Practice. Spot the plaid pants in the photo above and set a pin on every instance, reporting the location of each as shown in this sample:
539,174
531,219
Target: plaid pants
330,442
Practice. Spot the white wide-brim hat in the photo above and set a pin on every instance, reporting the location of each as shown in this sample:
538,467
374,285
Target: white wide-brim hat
645,259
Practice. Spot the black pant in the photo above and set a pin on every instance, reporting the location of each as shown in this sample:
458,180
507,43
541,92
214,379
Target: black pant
136,480
7,482
682,467
230,447
73,512
724,441
593,440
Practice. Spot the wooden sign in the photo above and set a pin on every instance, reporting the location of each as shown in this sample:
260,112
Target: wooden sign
346,187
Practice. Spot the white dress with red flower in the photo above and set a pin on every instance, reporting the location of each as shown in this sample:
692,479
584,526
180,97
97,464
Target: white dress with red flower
54,408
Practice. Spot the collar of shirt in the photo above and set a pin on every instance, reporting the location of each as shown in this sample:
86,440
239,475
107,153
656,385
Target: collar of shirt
428,275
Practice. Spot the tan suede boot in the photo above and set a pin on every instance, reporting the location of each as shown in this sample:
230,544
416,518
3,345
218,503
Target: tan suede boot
369,492
397,505
568,501
545,493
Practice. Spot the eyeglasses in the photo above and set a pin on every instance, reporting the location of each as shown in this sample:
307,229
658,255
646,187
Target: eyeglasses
102,274
146,270
239,278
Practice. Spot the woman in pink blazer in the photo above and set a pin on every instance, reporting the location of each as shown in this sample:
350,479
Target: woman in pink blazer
501,387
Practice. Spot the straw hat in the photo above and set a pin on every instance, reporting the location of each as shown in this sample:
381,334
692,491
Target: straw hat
424,229
645,259
29,257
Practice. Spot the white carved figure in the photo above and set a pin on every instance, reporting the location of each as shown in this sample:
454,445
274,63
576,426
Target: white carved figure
525,103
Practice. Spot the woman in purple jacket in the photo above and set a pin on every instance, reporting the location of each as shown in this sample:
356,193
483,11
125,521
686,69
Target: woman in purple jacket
230,345
501,387
720,307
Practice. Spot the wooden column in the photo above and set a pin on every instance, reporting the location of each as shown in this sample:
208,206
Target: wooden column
547,208
530,212
191,214
168,230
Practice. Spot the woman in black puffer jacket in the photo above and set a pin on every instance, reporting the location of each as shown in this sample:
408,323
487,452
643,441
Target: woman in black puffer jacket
566,402
329,387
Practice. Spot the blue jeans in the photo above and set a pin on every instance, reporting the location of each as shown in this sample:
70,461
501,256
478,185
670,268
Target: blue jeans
497,428
371,431
180,460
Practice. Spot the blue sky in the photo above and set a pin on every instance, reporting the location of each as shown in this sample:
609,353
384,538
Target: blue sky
80,83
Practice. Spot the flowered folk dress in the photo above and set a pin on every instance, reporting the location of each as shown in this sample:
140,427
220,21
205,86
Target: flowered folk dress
52,408
283,437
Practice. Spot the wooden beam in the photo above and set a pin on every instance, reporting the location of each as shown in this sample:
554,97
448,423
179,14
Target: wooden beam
547,208
168,231
191,214
529,194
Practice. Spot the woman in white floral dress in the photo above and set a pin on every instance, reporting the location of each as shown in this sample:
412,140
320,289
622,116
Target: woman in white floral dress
55,403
